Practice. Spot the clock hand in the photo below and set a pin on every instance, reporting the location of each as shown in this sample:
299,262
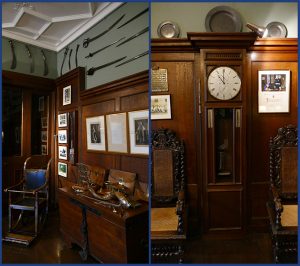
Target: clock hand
223,76
221,79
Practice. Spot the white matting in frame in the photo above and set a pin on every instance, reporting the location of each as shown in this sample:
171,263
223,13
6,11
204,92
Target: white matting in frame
63,120
274,91
67,95
95,133
62,169
160,107
139,131
63,152
116,132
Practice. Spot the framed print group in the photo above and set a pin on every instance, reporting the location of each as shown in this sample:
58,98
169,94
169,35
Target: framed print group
62,152
62,136
139,131
116,132
274,91
95,133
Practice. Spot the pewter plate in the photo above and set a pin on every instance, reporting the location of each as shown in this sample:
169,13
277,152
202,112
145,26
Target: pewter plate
168,29
223,19
276,30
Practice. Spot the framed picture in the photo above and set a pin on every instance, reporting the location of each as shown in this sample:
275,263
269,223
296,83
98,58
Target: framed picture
41,103
44,136
63,152
63,120
62,136
139,131
95,133
274,91
44,149
62,169
44,122
67,95
160,107
116,132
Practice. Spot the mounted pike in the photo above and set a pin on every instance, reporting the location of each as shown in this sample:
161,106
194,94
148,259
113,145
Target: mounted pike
133,58
64,59
92,70
135,17
89,40
134,36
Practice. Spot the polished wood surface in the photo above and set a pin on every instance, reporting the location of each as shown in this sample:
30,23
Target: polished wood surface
113,237
181,57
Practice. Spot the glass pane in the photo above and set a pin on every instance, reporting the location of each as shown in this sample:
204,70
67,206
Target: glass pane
224,144
11,121
39,124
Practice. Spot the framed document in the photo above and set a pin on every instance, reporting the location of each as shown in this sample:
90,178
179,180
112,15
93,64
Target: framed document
95,133
117,132
274,91
160,107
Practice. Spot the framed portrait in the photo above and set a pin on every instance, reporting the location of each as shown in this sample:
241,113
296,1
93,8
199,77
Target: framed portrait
62,120
274,91
139,131
160,107
44,136
62,136
95,133
63,152
62,169
41,103
116,132
67,95
44,149
44,122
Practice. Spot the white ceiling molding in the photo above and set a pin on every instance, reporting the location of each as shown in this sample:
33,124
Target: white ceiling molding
41,25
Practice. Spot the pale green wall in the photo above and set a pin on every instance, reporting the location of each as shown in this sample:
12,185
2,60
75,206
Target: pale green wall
131,49
23,61
191,16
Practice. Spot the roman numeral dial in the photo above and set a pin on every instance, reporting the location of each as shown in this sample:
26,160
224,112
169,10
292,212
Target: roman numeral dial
224,83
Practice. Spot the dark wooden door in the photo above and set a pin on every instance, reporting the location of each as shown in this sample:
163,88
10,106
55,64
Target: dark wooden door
26,124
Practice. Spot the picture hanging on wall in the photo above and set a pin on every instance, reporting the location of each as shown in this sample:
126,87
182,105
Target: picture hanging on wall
44,136
62,136
44,122
67,95
95,133
139,131
62,169
160,107
62,152
274,91
63,120
44,149
116,132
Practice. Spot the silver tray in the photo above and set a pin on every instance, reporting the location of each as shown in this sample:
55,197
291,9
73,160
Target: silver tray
276,30
223,19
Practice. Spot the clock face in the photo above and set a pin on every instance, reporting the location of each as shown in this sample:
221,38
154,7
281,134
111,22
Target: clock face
224,83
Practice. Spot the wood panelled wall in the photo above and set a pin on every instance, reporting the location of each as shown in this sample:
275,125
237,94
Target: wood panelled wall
181,59
123,95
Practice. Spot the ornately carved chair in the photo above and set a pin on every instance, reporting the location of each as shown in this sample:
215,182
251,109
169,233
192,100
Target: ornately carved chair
283,207
168,212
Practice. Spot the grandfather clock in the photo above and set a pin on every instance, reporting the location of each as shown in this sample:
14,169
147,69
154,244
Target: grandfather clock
222,117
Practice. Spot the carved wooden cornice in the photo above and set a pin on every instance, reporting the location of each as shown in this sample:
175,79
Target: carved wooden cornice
196,41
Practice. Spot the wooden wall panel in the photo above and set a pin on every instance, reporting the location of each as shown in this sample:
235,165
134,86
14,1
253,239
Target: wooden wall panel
181,71
261,126
125,95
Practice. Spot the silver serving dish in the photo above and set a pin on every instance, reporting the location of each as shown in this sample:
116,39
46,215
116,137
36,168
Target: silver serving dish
168,29
223,19
276,30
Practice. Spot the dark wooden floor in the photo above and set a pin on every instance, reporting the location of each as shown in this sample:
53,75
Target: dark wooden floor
50,248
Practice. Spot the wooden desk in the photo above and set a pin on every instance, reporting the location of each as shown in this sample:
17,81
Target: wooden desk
107,236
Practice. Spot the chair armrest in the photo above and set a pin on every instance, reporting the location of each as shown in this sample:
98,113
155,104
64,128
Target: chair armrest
40,188
9,189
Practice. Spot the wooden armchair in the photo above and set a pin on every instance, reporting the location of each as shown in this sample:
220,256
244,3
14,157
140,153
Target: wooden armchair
283,205
168,210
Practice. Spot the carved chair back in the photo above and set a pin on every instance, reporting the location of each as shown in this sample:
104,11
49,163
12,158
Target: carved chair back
167,166
284,162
